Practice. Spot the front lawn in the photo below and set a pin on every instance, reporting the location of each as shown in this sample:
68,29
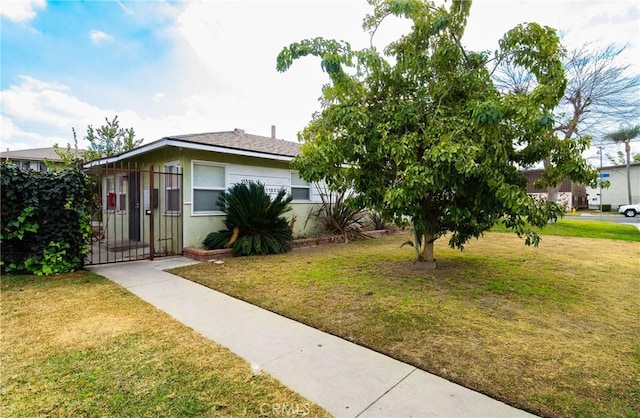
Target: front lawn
79,345
586,229
553,330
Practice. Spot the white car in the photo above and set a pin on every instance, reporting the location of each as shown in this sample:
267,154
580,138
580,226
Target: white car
629,210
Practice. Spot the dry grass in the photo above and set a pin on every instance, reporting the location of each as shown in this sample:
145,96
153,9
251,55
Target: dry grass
79,345
553,329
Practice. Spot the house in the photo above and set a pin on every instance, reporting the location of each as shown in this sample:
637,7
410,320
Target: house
32,159
616,194
164,193
570,194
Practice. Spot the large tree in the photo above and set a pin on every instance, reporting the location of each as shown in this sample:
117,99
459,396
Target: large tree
420,132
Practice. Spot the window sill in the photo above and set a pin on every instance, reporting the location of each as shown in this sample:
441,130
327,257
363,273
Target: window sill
208,214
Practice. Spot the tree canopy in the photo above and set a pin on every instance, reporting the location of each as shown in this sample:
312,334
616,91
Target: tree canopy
421,134
108,140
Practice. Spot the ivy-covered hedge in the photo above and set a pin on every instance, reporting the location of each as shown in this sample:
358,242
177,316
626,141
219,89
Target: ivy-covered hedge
45,223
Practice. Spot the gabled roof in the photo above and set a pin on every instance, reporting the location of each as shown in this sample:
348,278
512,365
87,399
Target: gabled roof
236,142
240,140
34,154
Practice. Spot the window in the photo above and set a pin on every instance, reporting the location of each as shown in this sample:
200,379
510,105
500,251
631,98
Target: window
115,193
172,188
209,180
300,189
33,165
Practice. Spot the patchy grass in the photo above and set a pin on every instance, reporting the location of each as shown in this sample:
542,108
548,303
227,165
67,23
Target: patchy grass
586,229
553,330
79,345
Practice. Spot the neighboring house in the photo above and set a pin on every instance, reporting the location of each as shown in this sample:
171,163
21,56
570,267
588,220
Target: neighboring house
616,194
31,159
570,194
190,172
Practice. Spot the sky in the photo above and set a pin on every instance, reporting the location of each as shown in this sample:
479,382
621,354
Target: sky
177,67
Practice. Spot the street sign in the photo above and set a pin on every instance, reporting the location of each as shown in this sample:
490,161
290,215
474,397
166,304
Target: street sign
604,175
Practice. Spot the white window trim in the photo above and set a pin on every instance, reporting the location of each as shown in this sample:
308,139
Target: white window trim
291,187
165,210
117,183
193,188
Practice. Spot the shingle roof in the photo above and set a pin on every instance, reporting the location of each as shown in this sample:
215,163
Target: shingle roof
240,140
34,154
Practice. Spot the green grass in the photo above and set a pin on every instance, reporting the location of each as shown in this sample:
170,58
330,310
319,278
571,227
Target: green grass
553,330
79,345
586,229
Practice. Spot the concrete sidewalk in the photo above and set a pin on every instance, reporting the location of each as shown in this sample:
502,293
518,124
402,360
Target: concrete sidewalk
344,378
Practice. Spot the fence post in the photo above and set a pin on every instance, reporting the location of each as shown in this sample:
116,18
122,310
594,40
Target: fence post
152,249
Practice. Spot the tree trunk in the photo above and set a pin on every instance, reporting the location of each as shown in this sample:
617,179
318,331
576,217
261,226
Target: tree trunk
552,191
627,149
576,101
552,194
426,260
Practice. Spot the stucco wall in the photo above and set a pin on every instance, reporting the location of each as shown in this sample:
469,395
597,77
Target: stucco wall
616,194
273,174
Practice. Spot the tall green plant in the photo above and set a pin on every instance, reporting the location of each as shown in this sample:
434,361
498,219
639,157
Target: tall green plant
255,222
339,216
377,220
419,131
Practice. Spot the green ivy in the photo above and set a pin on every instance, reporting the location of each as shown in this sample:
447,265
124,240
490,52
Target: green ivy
16,228
45,222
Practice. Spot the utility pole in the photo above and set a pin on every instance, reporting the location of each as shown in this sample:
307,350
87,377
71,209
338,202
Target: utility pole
600,178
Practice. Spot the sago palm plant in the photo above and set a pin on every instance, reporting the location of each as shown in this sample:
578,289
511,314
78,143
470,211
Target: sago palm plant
255,222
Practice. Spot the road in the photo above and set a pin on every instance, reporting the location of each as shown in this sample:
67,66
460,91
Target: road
607,218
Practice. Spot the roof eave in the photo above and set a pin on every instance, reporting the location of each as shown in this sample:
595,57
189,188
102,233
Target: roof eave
167,142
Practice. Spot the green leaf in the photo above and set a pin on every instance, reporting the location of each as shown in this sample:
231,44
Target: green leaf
421,128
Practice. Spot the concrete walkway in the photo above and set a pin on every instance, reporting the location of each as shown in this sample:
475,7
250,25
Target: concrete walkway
344,378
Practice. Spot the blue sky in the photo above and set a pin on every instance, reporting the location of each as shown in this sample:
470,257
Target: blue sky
177,67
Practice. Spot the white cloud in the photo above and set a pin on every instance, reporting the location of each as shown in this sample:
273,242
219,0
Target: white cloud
98,36
221,72
21,10
37,113
578,22
43,113
237,50
14,138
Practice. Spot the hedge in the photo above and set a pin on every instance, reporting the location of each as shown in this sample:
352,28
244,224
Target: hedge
45,223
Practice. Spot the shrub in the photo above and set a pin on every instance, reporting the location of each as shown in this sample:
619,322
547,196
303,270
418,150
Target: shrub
377,220
45,220
255,222
606,208
338,216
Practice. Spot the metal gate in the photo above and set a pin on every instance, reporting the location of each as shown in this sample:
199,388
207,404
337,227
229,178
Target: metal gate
136,213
